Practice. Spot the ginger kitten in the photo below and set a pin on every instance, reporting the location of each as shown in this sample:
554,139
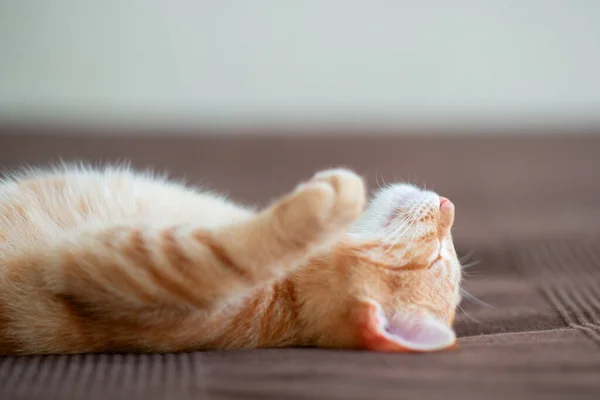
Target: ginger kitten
110,260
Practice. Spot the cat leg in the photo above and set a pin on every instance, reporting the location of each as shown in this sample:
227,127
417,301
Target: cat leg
179,265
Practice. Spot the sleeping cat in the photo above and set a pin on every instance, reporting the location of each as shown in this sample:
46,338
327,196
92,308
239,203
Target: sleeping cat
112,260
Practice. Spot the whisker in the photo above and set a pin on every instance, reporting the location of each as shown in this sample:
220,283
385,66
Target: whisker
402,221
406,181
469,316
393,243
401,234
384,182
471,264
475,299
471,274
466,256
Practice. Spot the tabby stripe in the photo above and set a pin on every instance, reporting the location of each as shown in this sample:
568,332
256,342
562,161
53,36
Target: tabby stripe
290,294
139,254
117,270
96,264
206,239
174,254
78,309
7,344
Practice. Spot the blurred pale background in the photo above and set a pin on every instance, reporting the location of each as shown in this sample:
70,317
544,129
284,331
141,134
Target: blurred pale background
326,62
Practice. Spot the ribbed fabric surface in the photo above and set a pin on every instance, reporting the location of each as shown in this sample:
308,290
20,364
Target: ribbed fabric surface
568,273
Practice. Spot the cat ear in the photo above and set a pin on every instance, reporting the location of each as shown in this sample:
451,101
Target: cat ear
406,331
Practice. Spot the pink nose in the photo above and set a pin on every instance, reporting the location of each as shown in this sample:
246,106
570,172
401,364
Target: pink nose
444,202
446,214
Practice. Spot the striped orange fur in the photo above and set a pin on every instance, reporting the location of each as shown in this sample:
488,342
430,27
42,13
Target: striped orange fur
111,260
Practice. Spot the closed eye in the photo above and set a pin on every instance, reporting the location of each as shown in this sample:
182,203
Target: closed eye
439,258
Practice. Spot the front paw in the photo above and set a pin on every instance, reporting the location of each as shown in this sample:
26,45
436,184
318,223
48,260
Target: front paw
328,203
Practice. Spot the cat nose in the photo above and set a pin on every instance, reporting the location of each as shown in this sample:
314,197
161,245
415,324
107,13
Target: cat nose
444,202
446,214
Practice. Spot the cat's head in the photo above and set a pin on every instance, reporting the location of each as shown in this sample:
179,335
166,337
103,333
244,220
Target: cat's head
397,276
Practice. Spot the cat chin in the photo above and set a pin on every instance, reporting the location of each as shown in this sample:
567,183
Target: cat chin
404,331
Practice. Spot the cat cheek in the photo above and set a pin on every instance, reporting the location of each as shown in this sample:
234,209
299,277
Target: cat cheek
406,331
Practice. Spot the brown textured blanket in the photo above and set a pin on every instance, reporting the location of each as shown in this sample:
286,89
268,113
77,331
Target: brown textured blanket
527,208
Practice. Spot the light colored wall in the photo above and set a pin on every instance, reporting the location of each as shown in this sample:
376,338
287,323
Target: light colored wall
250,61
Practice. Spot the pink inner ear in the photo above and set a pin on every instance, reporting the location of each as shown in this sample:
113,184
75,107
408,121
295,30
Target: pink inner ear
405,331
419,331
